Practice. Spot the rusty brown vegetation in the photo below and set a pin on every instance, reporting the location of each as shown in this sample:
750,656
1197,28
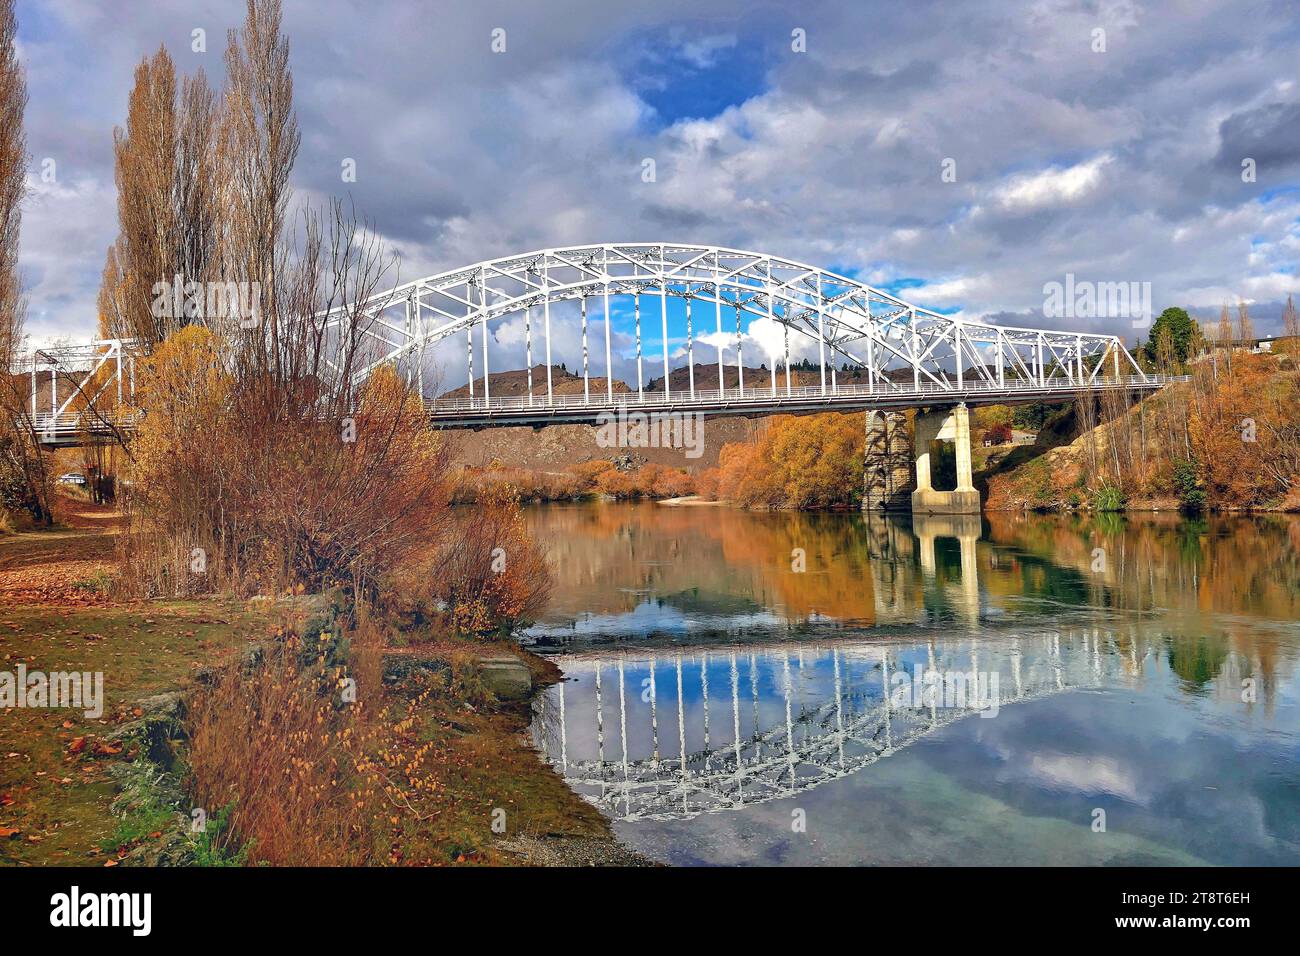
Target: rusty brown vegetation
1227,439
261,466
805,463
601,476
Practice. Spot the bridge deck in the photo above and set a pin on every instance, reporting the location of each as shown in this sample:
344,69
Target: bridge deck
68,430
536,411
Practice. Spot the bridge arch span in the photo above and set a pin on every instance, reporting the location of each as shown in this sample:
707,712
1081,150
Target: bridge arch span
896,345
900,355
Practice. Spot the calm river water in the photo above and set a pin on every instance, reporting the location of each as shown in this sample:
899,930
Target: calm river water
827,689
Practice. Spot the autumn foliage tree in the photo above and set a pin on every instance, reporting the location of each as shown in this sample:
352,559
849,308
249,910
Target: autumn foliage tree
169,169
223,495
264,459
803,463
1245,431
492,575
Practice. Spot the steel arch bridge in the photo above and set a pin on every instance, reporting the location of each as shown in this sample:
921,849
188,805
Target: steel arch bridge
911,356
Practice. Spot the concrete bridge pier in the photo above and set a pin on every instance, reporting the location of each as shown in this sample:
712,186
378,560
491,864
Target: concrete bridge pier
944,424
887,465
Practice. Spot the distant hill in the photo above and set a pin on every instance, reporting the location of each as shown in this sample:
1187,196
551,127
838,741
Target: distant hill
706,377
515,382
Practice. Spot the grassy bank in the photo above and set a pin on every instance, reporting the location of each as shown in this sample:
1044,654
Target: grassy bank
55,787
62,774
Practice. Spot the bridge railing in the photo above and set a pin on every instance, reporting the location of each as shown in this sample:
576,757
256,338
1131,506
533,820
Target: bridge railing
53,428
599,397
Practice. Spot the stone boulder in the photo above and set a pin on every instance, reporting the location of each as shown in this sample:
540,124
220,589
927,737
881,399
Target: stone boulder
506,676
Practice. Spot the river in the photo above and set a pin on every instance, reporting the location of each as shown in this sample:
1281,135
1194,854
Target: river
748,688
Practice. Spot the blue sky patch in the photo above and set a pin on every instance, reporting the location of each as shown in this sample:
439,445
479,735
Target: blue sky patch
695,72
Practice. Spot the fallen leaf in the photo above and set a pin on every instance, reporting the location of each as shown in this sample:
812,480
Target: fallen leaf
7,832
78,745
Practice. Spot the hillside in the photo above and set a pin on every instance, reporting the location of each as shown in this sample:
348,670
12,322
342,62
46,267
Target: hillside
1183,447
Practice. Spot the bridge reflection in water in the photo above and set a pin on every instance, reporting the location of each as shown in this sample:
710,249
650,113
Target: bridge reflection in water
672,735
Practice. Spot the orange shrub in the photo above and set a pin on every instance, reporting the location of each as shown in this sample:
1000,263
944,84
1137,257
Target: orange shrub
228,490
648,481
589,471
494,576
1245,433
661,481
616,484
806,462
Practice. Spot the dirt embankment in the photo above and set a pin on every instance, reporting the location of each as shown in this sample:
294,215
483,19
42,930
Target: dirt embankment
557,446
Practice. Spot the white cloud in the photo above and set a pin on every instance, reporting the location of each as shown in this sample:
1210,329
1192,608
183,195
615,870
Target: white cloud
1052,186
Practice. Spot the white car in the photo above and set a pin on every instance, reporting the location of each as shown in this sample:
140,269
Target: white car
72,478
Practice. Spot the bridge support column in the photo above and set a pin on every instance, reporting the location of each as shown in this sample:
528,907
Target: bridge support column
887,465
952,424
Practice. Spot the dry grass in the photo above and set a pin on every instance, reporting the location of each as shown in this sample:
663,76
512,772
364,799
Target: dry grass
597,477
405,775
278,742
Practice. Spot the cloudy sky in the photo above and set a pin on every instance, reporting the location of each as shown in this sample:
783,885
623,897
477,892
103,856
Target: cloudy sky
1117,165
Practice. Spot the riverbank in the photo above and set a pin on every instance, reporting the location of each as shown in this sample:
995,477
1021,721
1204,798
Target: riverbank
63,772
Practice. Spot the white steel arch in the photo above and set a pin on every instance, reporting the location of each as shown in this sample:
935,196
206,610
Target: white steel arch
901,347
908,355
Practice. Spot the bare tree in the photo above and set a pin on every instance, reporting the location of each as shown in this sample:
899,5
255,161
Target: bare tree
1290,319
147,251
13,171
198,179
1245,327
1225,334
24,477
261,140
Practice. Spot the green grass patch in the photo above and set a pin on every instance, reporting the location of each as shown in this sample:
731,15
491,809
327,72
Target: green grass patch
57,792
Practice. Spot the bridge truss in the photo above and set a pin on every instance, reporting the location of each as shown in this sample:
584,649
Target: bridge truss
80,390
901,355
903,350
